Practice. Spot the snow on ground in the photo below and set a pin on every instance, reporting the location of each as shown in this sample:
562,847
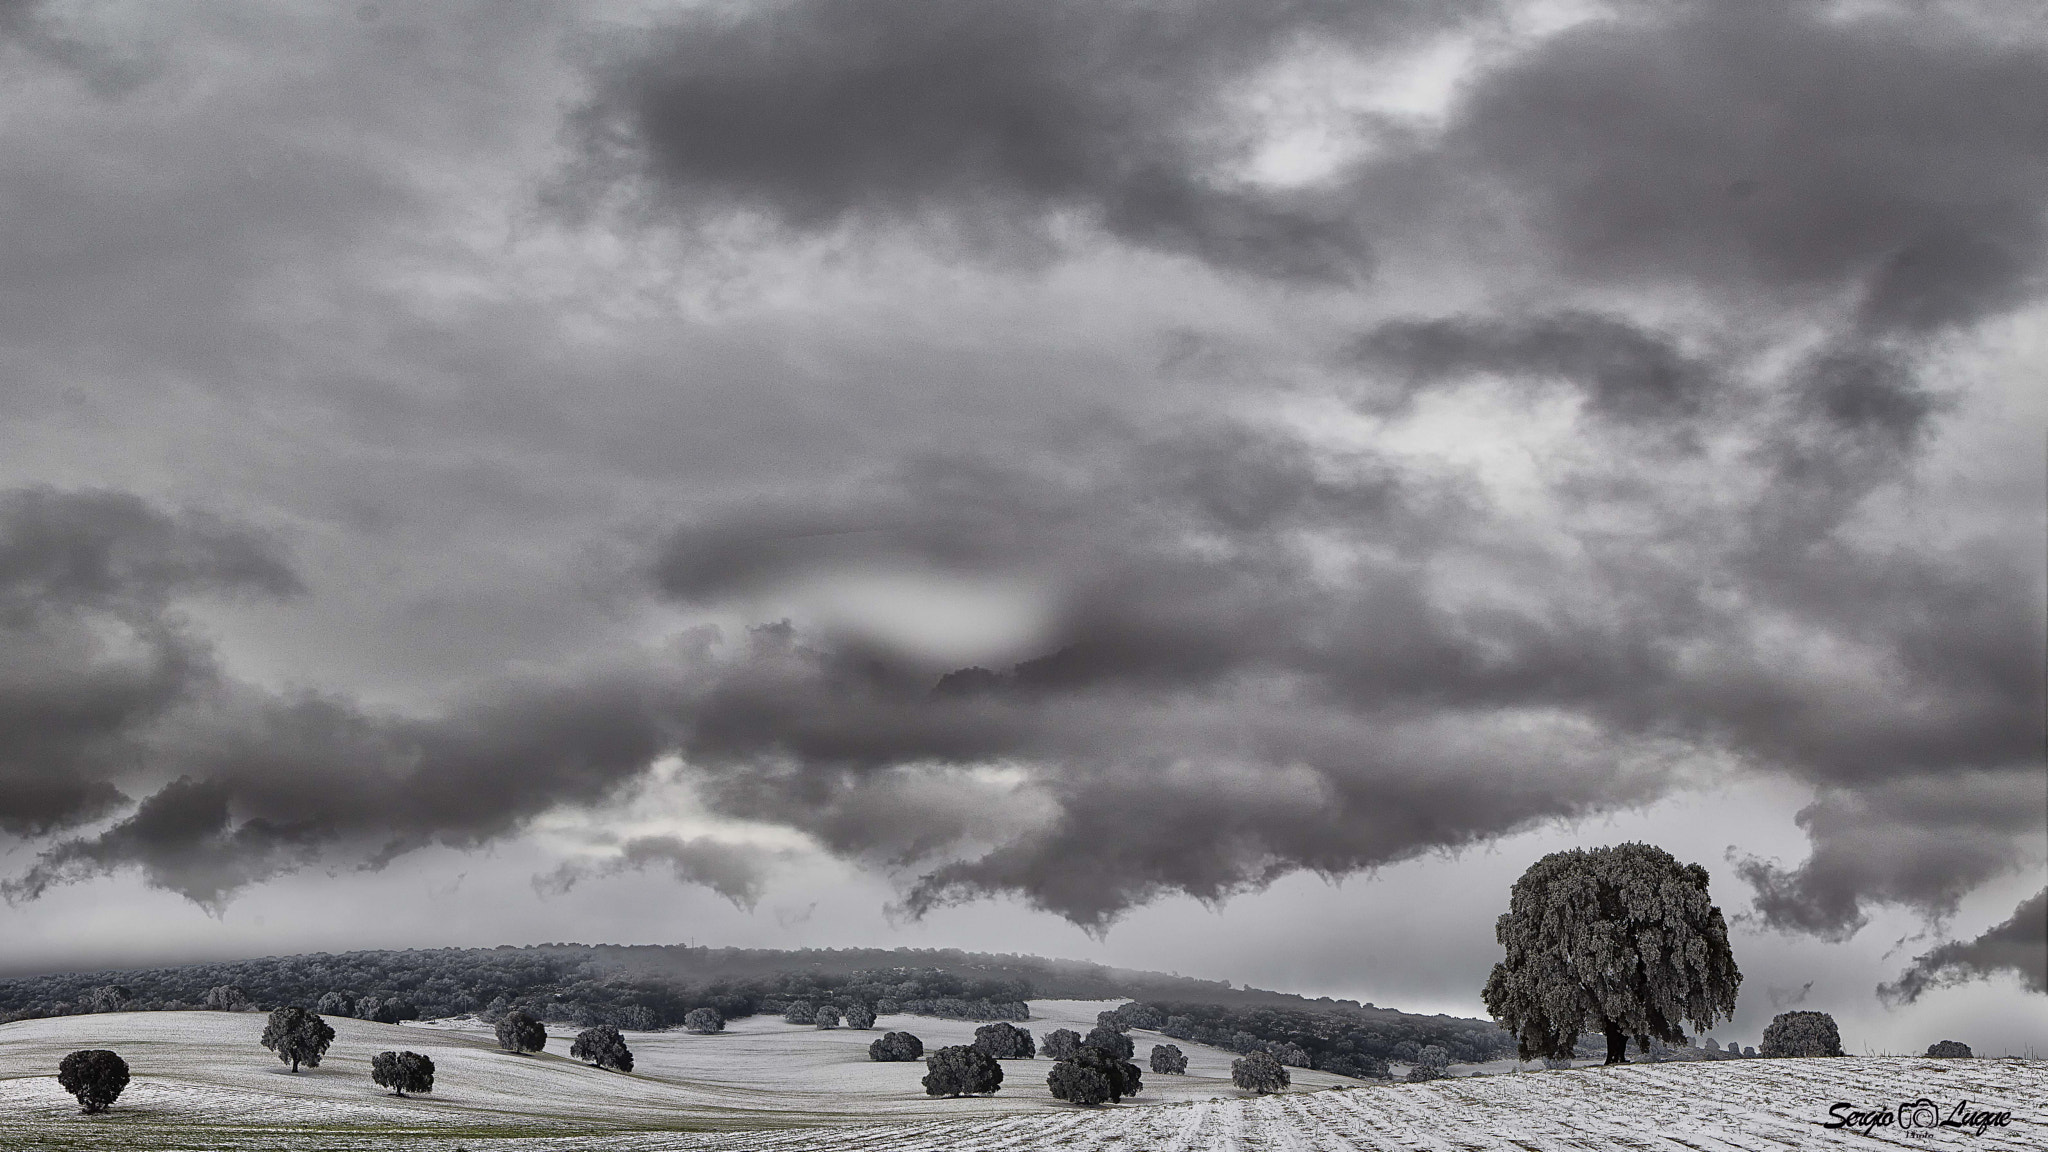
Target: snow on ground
203,1082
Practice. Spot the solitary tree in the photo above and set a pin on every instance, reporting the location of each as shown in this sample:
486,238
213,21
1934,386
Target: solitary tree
519,1032
799,1012
1093,1075
604,1047
1062,1043
94,1075
1430,1064
297,1036
1005,1041
1623,938
1169,1059
1950,1050
705,1020
961,1070
860,1015
826,1016
896,1046
1258,1072
1802,1034
402,1072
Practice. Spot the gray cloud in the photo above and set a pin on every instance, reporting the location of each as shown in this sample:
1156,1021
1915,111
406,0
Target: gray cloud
1746,235
95,653
2019,947
737,872
989,119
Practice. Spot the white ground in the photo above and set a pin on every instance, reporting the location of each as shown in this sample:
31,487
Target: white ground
203,1082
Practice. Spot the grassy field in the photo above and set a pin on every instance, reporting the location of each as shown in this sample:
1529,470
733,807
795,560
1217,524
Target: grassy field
202,1082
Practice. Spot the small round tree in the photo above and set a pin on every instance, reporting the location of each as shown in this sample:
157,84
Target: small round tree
1432,1063
1621,938
1093,1075
297,1036
1005,1041
1802,1034
1062,1043
1258,1072
521,1033
1168,1059
604,1047
799,1012
860,1015
826,1016
961,1070
94,1075
1950,1050
402,1072
896,1046
1111,1040
704,1020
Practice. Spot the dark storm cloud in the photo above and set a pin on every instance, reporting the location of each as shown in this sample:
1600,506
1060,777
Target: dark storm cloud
990,118
271,784
2018,947
737,872
1898,157
94,654
1924,841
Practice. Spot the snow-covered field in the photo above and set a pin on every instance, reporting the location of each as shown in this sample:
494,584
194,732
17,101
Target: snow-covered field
203,1082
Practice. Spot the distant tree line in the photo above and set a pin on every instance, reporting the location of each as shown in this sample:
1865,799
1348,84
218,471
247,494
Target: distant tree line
552,985
1357,1042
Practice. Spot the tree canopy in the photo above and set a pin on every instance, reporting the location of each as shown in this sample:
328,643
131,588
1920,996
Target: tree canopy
604,1047
1622,939
95,1075
1259,1072
961,1070
896,1046
297,1036
519,1032
1802,1034
402,1072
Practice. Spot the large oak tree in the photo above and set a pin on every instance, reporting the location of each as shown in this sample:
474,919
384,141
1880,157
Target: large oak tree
1620,940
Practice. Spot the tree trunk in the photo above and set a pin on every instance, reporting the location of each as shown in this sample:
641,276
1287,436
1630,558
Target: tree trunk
1617,1044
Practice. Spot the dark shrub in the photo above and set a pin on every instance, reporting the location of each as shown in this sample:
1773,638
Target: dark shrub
1062,1043
1432,1063
1802,1034
1005,1041
1749,1052
402,1072
604,1047
859,1015
826,1016
1734,1049
297,1036
519,1032
1111,1040
1169,1059
800,1012
1094,1075
1258,1072
1950,1049
896,1046
94,1075
1557,1062
705,1020
961,1070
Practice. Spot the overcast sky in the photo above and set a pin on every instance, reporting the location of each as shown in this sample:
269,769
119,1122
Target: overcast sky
1218,487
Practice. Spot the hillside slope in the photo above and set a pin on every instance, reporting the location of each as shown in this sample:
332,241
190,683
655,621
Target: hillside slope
203,1083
